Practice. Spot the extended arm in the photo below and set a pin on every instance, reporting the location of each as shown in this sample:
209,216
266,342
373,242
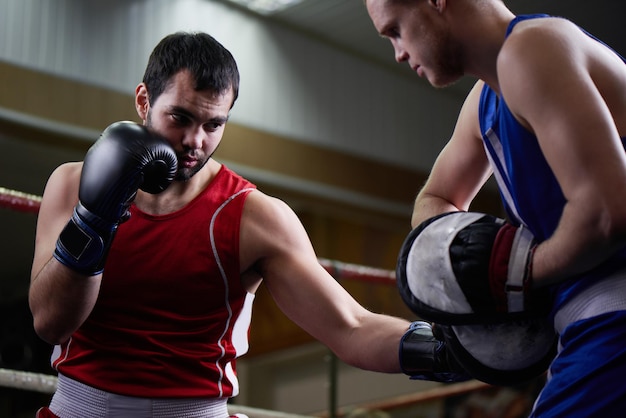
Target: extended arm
275,244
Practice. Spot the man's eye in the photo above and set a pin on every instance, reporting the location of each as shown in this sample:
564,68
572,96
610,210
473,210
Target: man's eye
394,33
212,127
178,118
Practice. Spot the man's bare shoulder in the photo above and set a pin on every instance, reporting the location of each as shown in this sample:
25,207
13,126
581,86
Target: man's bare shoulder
267,211
544,39
67,170
63,182
270,229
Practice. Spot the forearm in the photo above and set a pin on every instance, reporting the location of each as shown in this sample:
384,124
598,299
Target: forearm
428,205
375,344
394,345
580,243
64,288
60,301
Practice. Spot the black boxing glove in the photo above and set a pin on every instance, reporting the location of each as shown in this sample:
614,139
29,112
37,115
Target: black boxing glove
423,356
126,157
467,267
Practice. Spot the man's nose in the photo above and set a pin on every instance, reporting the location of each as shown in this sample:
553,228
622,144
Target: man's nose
194,139
401,55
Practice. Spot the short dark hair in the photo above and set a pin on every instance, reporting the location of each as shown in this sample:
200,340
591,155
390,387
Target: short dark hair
213,66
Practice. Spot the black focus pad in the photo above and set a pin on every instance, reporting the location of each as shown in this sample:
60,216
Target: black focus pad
467,268
502,354
471,251
426,277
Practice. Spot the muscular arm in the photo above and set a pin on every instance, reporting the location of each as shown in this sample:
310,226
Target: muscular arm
95,197
60,299
460,170
275,243
556,90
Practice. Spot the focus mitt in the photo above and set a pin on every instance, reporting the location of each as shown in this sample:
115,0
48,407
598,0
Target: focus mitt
469,268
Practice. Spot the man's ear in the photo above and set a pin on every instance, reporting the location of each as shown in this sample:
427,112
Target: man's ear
142,101
439,5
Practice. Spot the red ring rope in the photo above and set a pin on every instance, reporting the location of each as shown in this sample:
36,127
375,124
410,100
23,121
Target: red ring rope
24,202
21,202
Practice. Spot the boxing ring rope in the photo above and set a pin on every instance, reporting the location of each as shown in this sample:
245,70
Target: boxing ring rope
34,382
29,203
46,384
404,401
18,201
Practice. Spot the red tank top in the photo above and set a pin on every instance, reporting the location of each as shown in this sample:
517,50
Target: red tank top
171,316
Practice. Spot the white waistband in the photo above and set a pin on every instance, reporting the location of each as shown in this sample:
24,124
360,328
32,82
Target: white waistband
73,399
607,295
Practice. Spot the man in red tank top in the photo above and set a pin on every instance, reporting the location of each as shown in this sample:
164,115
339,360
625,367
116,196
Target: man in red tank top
146,293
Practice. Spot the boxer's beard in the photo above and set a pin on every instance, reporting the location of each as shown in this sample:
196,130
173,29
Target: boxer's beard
182,174
446,61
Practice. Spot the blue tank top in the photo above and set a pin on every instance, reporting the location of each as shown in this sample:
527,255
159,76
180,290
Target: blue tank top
528,187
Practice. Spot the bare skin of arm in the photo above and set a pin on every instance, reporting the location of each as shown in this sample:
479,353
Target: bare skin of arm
580,139
578,117
275,246
460,170
60,299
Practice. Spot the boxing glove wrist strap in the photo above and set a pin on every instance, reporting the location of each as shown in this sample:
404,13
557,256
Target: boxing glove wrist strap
82,247
424,357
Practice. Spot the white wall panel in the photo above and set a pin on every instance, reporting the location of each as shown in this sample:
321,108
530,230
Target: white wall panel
291,85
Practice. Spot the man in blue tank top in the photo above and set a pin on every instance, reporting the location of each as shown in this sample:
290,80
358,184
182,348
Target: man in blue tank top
547,118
